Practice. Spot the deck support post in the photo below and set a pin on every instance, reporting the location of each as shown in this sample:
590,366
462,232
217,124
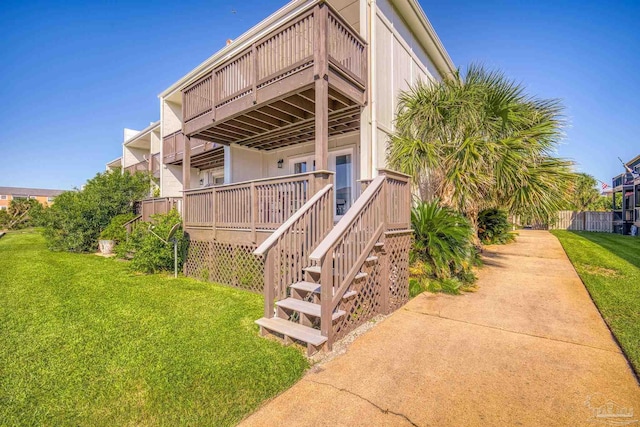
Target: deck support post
186,164
321,76
269,279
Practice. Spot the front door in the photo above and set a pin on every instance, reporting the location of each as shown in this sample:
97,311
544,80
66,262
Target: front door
341,162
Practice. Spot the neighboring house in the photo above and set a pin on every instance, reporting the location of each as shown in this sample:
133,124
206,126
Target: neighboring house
277,145
44,196
626,206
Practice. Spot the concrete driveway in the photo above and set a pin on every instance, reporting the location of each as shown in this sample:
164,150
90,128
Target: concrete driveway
529,348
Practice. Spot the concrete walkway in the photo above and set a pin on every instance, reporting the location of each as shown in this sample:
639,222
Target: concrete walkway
529,348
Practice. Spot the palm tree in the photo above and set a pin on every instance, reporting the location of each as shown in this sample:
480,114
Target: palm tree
479,141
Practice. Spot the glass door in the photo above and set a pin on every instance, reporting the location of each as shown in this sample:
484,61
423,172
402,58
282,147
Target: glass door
341,162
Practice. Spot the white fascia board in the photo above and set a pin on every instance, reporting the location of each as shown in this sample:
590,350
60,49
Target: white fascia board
143,132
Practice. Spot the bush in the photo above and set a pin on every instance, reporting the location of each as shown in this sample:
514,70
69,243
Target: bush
443,240
443,254
149,253
77,218
115,230
494,227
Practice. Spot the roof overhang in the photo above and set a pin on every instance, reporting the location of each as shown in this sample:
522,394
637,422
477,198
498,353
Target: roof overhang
142,134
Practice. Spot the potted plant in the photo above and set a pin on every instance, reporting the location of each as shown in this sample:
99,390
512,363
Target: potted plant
113,234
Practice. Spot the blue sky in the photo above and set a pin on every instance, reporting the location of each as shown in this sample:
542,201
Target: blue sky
75,73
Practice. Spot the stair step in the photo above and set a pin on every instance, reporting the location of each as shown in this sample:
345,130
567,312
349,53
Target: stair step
371,259
306,307
315,288
314,269
293,330
360,275
378,245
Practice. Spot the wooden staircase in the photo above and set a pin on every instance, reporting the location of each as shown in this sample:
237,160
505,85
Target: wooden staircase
313,268
297,317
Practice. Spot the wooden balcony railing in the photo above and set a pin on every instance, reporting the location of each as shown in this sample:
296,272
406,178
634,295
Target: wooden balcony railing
173,147
142,166
159,205
155,164
288,50
262,204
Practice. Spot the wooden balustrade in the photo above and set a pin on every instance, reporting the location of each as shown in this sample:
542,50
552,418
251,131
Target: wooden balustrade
398,203
173,147
155,163
343,252
159,205
346,50
287,250
287,50
142,166
262,204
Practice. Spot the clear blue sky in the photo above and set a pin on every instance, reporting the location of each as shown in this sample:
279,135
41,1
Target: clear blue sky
73,74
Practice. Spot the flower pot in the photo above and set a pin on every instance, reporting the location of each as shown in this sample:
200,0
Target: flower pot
106,246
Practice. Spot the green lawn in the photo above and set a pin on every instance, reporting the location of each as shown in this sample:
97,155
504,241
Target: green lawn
609,265
85,342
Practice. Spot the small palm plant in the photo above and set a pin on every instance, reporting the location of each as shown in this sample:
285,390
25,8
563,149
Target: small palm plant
443,252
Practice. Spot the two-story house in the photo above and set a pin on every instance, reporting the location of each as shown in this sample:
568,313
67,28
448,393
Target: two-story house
277,146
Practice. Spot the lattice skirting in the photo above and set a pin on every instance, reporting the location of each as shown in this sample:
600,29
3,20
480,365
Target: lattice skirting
368,302
225,263
398,246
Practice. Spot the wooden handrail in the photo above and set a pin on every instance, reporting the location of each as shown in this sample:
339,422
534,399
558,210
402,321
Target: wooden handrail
273,238
283,178
341,227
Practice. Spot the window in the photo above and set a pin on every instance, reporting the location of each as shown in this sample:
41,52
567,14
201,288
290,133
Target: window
50,199
302,164
3,197
3,208
212,177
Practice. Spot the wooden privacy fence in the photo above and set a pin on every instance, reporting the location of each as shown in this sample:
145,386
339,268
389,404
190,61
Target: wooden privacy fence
584,221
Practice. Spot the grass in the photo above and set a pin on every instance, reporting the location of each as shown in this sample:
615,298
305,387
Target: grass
609,266
85,342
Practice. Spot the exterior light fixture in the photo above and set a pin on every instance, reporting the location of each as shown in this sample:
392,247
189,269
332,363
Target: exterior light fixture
280,163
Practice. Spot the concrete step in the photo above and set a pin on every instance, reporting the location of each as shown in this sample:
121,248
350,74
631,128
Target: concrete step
306,307
293,330
315,288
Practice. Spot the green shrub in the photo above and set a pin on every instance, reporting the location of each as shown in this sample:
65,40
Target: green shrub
494,227
443,240
115,230
443,254
77,218
149,253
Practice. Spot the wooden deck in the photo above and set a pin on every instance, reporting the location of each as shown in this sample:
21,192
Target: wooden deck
307,77
248,211
204,154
